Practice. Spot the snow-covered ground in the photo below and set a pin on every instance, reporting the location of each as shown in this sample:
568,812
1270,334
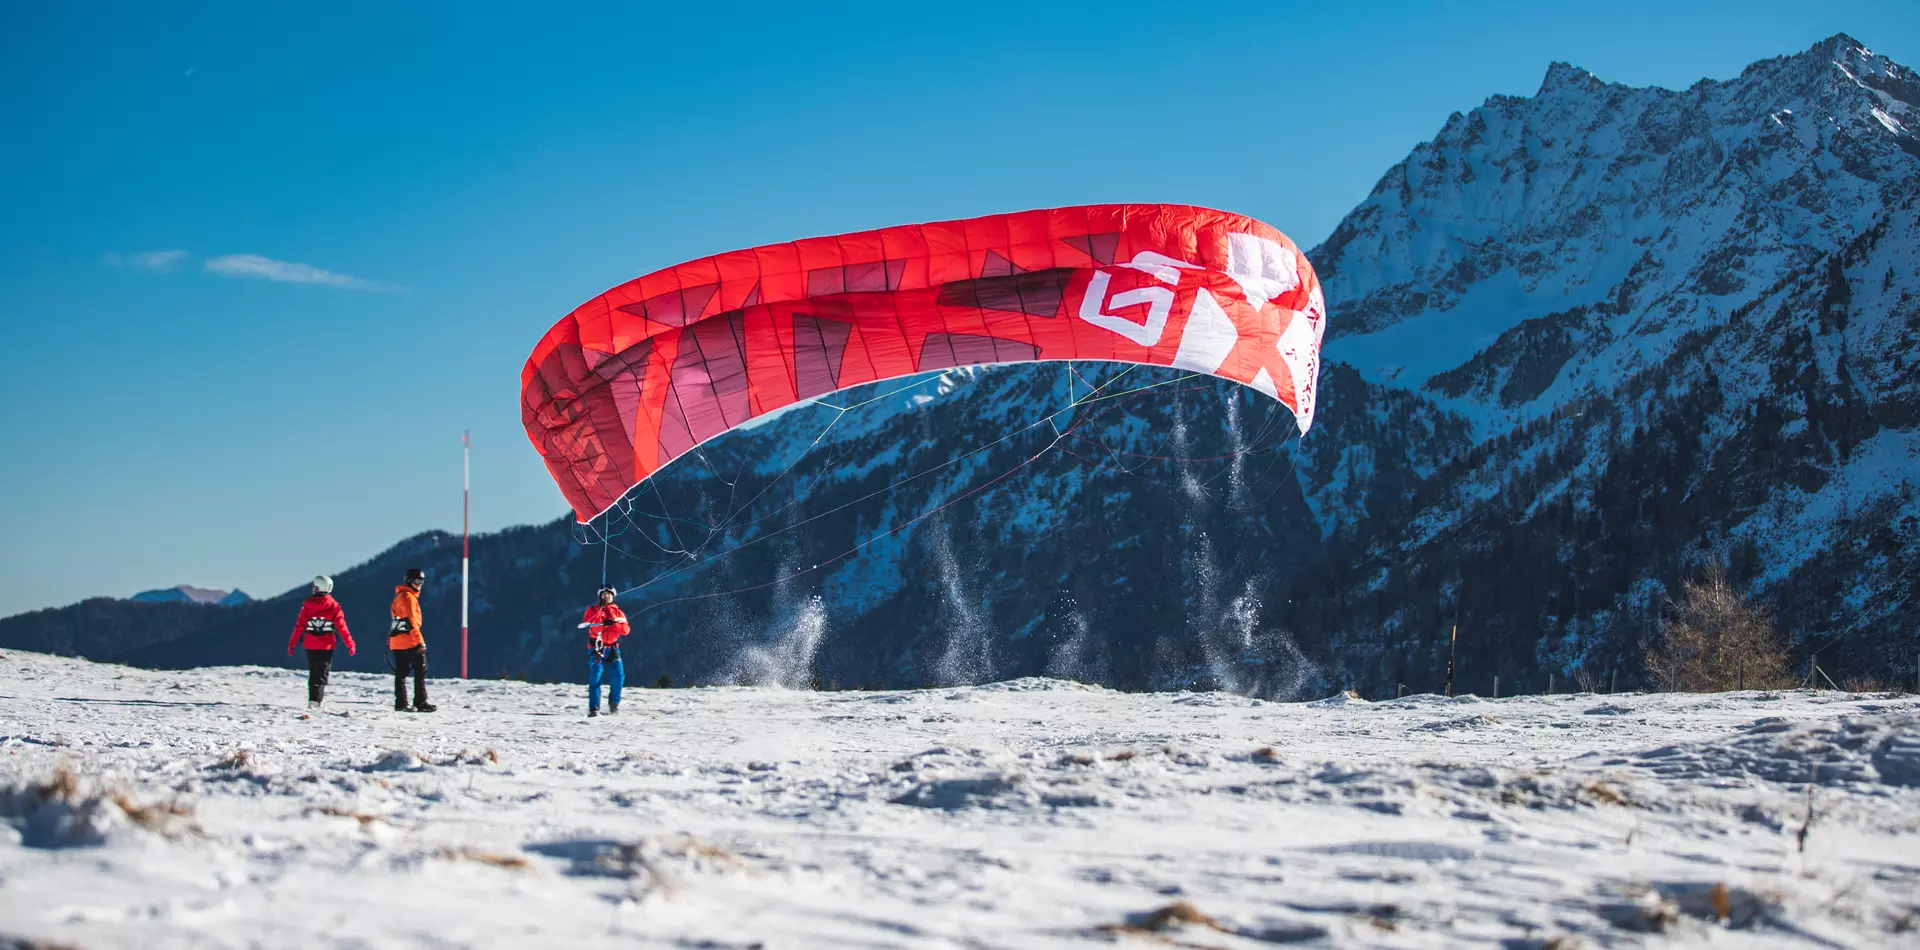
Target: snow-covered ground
207,809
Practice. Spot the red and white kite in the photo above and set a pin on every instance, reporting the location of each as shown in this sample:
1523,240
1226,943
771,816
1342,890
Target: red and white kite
637,376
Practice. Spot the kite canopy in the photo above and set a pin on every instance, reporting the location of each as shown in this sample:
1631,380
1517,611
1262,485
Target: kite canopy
637,376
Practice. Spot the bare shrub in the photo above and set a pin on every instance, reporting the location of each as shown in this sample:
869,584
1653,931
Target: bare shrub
1588,682
1868,684
1712,639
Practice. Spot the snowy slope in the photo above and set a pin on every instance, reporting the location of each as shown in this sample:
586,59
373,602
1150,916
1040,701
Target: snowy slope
206,809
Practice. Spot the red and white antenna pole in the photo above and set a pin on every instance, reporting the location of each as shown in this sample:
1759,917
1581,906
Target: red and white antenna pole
466,492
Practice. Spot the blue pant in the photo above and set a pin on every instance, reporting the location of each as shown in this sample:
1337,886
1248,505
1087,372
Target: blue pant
608,664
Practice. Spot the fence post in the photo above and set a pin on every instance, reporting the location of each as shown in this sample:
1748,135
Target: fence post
1549,684
1741,681
1496,686
1453,647
1613,681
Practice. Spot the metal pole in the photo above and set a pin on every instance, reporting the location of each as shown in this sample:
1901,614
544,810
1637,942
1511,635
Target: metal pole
1613,681
466,492
1741,681
1496,686
1549,684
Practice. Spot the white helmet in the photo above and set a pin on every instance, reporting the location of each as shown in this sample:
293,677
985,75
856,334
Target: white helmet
323,584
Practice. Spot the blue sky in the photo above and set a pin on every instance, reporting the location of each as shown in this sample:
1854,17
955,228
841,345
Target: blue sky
260,264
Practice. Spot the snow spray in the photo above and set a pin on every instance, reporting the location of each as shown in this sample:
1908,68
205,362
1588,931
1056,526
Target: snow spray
1070,660
786,659
968,656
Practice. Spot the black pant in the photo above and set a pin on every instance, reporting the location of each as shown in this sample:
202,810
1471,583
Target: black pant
319,663
412,659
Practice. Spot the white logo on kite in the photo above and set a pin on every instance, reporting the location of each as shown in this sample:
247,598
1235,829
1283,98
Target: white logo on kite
1159,300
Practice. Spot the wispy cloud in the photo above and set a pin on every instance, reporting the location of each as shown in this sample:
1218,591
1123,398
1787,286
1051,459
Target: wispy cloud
287,272
154,261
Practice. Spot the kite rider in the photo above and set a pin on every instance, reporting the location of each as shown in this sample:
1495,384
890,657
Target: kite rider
409,644
320,619
607,623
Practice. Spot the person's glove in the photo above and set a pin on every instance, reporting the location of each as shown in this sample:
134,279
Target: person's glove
351,651
289,651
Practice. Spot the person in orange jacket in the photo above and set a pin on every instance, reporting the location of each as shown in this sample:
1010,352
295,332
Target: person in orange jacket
320,619
409,644
606,623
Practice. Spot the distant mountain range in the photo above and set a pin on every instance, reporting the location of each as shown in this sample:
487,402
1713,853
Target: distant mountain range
185,594
1581,344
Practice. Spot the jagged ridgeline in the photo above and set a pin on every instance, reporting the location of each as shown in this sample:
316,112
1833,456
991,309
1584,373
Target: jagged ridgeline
1581,344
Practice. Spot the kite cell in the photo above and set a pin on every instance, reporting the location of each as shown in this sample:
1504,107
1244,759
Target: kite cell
637,376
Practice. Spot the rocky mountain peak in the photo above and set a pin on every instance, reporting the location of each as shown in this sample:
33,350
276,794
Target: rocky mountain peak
1566,77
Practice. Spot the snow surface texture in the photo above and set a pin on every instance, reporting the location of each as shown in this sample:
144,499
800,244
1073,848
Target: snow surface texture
206,808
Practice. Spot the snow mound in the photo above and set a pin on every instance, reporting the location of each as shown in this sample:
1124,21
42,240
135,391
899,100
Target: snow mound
994,790
397,760
1345,698
1873,749
65,811
1481,721
1032,684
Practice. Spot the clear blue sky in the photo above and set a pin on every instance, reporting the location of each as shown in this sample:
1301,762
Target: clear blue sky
260,264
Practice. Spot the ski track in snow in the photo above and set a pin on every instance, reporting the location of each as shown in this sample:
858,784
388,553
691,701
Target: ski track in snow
1024,814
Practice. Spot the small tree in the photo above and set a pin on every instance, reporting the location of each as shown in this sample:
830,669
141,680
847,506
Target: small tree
1710,635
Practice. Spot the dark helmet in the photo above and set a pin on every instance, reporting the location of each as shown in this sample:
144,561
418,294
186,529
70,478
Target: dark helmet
415,574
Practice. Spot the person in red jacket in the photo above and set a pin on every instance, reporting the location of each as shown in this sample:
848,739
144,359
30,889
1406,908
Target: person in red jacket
319,621
606,623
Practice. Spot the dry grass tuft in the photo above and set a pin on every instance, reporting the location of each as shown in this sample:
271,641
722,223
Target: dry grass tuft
1266,755
151,817
1177,914
510,862
241,758
1077,758
64,786
1602,792
334,811
1714,640
1122,756
687,846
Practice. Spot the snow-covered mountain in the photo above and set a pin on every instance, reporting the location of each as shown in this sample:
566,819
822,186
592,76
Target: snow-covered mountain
1678,325
1581,344
186,594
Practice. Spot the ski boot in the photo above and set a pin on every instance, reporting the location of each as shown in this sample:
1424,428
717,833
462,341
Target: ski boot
593,711
613,709
425,707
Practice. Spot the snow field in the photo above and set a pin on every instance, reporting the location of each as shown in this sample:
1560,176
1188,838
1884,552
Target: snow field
205,808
